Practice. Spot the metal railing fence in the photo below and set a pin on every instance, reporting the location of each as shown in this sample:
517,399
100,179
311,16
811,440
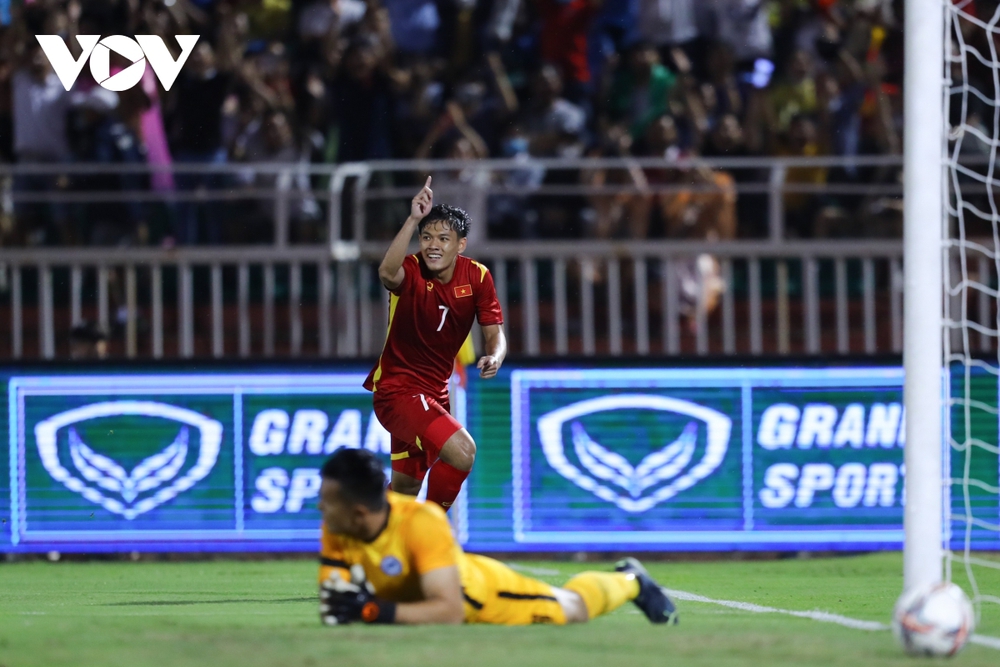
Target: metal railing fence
569,296
559,298
339,196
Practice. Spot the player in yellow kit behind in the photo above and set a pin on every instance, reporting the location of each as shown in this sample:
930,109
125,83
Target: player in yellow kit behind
387,558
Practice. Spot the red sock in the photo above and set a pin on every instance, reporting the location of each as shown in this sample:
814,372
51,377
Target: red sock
445,483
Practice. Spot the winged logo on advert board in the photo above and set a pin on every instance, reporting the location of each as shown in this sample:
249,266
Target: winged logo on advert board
660,475
100,479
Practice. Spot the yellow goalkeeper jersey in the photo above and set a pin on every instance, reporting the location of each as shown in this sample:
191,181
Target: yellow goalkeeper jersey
418,539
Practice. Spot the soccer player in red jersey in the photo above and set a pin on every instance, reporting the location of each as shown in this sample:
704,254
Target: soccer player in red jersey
433,298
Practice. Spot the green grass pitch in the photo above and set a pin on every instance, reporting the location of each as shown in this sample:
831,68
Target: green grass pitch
256,613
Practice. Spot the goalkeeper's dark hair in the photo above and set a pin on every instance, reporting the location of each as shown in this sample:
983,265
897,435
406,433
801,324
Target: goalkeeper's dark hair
456,218
360,475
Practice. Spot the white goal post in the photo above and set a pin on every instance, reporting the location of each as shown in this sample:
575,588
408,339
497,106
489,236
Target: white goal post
924,227
951,347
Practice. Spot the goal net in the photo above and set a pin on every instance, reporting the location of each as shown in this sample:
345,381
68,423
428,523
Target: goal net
970,266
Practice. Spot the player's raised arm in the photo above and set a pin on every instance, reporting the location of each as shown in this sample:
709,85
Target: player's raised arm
391,271
496,351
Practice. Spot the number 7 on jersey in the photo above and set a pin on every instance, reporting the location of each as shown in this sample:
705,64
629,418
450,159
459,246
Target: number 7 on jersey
444,314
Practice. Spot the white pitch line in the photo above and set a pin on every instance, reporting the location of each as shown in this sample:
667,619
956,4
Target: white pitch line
822,616
983,640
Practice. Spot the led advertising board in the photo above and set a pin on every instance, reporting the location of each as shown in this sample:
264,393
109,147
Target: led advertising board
702,457
222,461
603,459
615,459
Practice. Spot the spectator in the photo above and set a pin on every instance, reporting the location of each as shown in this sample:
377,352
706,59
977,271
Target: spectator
464,187
196,132
117,139
321,18
369,79
40,114
361,102
415,25
555,125
418,99
800,208
154,136
641,89
706,210
510,215
270,140
726,139
500,107
621,213
614,31
665,24
483,112
743,26
660,140
565,27
500,26
721,90
41,105
452,128
795,94
556,128
701,205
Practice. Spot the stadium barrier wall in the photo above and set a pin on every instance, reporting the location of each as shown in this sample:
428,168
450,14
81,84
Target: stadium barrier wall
559,298
572,456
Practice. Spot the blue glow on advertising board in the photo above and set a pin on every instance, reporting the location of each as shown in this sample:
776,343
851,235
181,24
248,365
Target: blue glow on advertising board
568,459
686,458
180,462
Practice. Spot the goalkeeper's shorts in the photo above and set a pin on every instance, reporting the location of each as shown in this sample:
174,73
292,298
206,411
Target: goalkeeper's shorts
496,594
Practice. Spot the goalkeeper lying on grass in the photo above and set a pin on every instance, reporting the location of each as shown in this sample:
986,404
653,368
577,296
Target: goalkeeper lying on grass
387,558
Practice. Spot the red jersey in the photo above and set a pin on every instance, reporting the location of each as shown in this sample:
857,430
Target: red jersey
563,39
428,322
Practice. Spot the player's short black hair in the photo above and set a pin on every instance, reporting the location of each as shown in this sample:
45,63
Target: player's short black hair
456,218
360,475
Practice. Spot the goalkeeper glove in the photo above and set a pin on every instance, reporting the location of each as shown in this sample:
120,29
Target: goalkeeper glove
342,602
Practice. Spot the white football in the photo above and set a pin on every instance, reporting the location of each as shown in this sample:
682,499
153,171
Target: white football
934,620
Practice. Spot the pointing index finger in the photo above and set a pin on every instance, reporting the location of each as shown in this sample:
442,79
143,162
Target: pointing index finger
427,185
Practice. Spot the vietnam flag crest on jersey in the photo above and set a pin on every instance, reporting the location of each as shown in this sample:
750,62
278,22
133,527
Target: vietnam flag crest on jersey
427,327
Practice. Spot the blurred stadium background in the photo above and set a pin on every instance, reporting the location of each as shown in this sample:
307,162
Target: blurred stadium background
692,210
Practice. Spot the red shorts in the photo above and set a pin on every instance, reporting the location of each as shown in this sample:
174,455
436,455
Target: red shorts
419,426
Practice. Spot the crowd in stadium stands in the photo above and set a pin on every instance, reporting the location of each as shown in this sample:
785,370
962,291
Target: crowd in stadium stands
333,81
